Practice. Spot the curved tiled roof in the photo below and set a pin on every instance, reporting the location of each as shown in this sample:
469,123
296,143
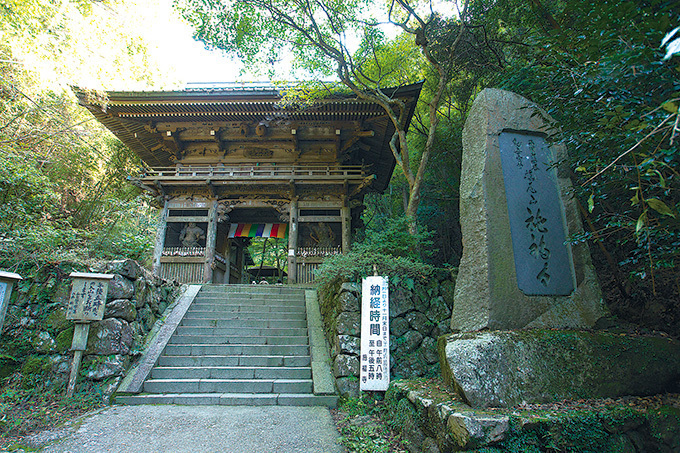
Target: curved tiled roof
129,116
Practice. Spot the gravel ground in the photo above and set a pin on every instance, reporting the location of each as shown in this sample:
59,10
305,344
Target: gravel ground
234,429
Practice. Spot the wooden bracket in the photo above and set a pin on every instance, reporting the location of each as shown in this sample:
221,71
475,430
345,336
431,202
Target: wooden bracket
367,181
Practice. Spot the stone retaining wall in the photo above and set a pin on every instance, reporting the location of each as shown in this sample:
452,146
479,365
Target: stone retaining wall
435,422
39,336
418,316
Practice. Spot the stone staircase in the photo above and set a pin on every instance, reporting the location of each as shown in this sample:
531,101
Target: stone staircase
237,345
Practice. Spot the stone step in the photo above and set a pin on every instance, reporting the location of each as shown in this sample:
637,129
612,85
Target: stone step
283,316
237,345
228,386
247,308
230,399
253,293
255,323
239,339
242,297
232,372
234,360
250,287
236,349
266,332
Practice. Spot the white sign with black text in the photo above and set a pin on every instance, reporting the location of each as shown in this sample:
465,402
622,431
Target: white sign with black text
375,334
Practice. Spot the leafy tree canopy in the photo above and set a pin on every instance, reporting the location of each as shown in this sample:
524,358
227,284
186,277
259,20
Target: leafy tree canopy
62,176
599,70
348,39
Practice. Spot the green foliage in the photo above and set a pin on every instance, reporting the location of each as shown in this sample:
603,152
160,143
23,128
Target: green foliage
364,439
372,434
391,237
270,252
63,193
353,266
61,40
354,407
251,29
27,408
597,69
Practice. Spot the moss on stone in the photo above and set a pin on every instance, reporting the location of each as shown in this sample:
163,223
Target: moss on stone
548,365
56,321
581,429
36,364
64,339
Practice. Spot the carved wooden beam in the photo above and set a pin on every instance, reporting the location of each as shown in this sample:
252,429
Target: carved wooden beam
367,181
161,188
176,145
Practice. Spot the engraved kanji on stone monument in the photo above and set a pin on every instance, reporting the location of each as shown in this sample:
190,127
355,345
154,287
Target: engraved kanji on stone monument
542,261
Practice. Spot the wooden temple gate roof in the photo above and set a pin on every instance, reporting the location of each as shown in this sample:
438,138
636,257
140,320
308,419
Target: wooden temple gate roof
166,129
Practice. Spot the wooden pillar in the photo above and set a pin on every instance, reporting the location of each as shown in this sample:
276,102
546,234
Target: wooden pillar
241,263
292,241
227,258
346,217
210,241
160,239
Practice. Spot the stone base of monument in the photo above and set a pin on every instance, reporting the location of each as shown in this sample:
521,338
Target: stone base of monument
508,368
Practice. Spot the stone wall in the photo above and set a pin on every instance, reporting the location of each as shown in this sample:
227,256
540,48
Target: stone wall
38,336
436,422
420,312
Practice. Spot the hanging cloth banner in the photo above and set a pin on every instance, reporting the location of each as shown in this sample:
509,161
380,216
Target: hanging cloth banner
258,230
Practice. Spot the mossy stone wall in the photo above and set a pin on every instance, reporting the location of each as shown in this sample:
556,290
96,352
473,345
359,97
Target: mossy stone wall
420,312
36,337
433,421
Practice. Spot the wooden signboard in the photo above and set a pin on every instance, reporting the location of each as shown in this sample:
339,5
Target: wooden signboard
87,303
88,296
7,280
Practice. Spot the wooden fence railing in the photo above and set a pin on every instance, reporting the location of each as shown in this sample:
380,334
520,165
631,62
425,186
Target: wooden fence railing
184,251
266,171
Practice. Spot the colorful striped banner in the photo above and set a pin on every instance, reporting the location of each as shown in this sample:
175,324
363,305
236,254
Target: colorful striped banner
258,230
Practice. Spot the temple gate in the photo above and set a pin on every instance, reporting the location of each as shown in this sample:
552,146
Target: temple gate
230,163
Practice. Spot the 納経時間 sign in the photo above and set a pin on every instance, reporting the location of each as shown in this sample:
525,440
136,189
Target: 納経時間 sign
375,334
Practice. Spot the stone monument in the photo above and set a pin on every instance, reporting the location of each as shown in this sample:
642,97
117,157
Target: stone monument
516,212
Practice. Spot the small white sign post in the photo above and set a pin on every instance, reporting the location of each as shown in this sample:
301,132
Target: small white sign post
7,280
375,334
86,304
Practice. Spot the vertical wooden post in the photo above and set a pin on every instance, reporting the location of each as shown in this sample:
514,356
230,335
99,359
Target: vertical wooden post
241,263
292,241
227,258
160,239
210,241
346,217
78,345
